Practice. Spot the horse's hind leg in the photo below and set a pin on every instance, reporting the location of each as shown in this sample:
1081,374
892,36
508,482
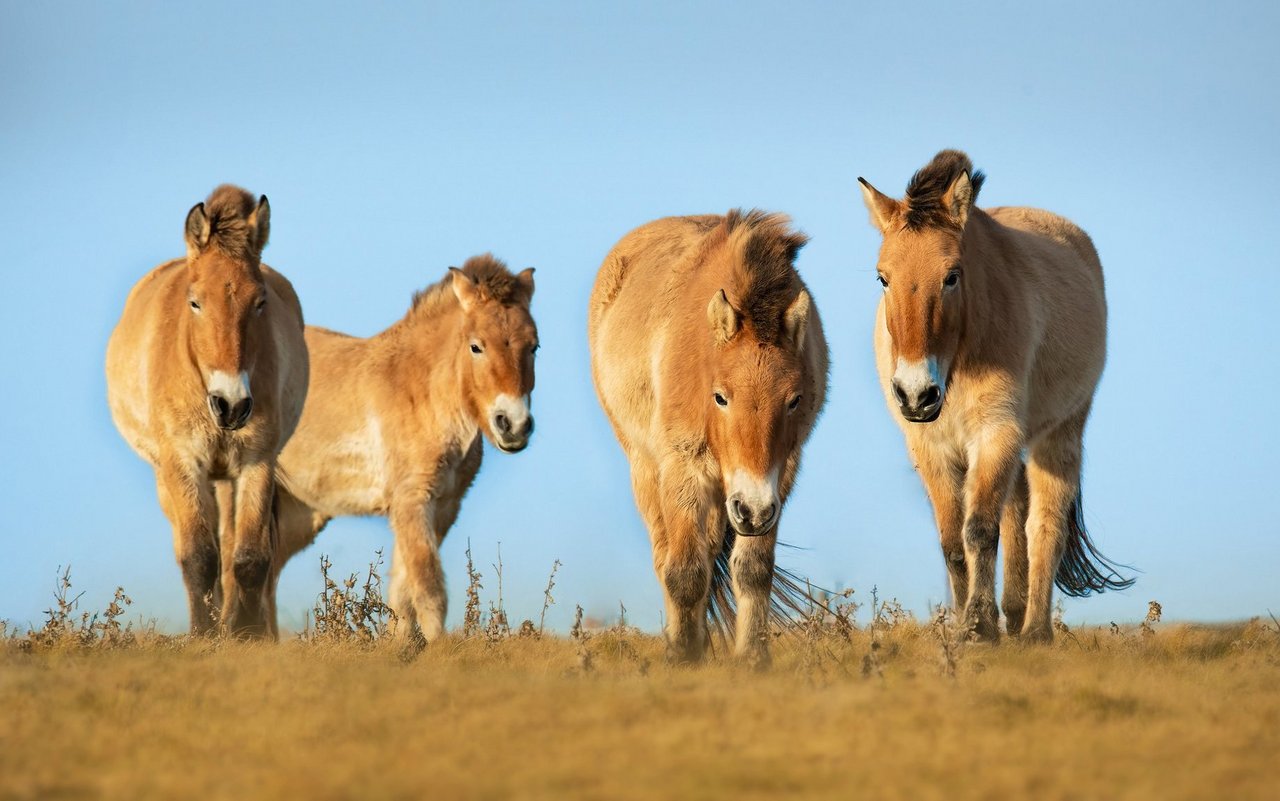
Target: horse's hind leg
1053,477
188,502
1013,541
296,527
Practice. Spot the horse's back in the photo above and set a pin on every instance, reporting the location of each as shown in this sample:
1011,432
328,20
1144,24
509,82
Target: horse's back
293,361
143,323
632,307
1068,297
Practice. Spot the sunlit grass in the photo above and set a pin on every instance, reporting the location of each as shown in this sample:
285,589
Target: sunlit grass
859,703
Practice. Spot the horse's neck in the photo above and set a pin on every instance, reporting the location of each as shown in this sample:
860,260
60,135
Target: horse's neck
983,281
422,352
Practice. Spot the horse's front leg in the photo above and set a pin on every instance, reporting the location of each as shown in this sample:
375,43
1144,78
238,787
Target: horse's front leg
187,500
986,487
245,606
751,568
944,485
417,576
685,571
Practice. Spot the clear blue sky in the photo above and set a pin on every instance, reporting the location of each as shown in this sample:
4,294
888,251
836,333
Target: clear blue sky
395,142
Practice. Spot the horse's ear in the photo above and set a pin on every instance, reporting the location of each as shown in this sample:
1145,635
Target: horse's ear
525,279
464,288
882,207
197,231
260,223
796,320
958,198
725,320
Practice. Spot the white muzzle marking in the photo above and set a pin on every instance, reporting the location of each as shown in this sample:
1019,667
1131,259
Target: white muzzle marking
516,410
231,388
913,378
757,493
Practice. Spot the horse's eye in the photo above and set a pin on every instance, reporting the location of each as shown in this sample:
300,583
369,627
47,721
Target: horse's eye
535,347
883,281
194,306
262,304
720,399
794,404
952,279
476,349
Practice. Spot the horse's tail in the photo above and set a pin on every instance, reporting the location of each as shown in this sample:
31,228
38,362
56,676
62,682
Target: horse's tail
1083,569
789,596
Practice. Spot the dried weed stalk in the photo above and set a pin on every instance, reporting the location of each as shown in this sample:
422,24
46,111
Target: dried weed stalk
547,600
66,626
347,613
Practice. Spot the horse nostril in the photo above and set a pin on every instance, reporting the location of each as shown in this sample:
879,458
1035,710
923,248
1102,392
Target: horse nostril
739,512
240,412
501,423
766,516
930,397
219,407
899,394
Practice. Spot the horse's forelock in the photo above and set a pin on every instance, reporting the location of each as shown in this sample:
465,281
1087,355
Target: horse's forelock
764,248
924,205
493,280
228,210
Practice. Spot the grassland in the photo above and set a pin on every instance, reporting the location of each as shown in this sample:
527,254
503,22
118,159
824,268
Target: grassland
892,708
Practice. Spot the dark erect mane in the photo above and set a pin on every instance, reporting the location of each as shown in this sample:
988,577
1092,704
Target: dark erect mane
766,280
493,280
925,207
228,210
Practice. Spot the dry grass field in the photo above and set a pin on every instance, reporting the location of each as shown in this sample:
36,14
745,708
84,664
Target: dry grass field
858,704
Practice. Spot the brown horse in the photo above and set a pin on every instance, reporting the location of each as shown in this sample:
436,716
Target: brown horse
392,424
990,339
710,362
206,377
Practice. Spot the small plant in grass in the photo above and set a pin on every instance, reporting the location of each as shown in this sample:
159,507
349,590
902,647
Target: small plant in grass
547,600
950,638
345,612
66,625
472,614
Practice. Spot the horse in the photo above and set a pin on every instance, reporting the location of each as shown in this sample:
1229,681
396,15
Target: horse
206,378
393,423
990,338
709,360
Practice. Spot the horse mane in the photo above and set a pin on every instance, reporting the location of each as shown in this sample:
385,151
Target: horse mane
764,273
493,280
924,204
228,209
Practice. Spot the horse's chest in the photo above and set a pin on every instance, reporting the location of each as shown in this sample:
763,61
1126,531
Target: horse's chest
946,439
455,469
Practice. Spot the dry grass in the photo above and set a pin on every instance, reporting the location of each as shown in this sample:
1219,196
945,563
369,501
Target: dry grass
892,708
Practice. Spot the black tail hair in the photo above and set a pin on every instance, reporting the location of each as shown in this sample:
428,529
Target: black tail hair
1083,569
789,597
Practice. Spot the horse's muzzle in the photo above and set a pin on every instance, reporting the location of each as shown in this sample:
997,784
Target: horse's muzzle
230,416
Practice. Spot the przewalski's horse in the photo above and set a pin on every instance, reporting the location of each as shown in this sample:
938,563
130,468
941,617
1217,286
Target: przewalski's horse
990,340
206,377
393,422
710,362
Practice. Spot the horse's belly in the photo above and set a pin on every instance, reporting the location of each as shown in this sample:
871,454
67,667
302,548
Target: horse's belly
348,476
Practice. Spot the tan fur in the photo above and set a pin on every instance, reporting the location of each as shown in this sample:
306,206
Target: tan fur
159,362
1020,342
682,308
392,424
